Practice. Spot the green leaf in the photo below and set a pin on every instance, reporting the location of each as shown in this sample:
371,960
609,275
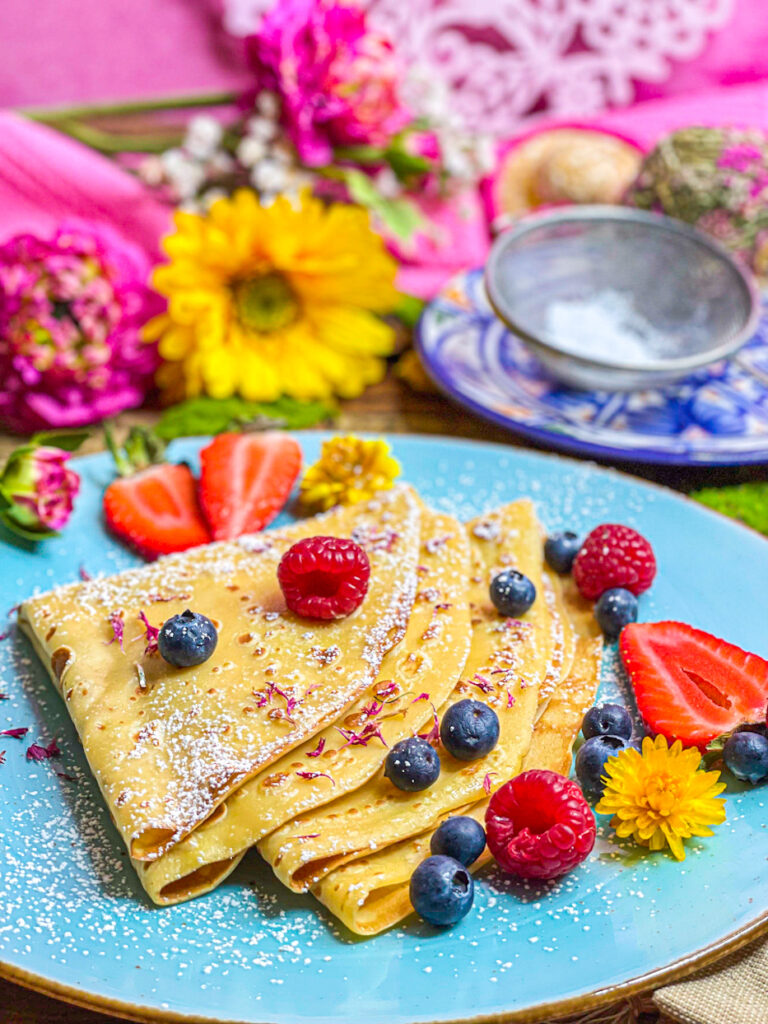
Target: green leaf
406,165
745,502
401,216
203,416
409,309
362,188
68,440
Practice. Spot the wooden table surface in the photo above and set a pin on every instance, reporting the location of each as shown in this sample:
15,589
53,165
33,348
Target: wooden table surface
390,407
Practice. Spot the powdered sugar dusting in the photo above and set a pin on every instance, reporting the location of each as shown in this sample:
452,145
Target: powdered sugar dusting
72,908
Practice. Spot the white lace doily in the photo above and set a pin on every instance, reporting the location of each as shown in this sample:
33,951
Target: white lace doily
505,58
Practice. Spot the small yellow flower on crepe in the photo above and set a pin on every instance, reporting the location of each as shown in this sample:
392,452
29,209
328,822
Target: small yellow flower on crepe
265,301
661,797
349,470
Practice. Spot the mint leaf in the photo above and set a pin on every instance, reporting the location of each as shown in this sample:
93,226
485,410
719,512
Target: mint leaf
203,415
745,502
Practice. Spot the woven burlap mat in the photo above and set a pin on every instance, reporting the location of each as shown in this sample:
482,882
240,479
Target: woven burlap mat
733,991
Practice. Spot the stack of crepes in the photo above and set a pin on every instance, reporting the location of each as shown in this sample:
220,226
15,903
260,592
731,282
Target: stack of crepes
278,741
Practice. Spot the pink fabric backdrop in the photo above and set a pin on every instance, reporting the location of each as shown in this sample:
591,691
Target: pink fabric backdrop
64,51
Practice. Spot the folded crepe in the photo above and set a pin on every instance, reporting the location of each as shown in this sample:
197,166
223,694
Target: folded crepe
509,660
414,677
168,745
371,894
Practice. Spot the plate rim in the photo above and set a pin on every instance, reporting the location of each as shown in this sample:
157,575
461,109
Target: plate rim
676,971
672,972
551,438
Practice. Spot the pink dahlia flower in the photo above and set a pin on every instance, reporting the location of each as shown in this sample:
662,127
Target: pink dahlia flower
38,489
71,308
338,81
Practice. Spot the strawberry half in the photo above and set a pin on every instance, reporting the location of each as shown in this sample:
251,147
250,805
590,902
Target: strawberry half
245,480
688,684
152,506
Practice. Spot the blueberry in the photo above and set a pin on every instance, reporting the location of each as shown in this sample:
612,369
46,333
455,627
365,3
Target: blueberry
560,549
441,890
469,729
512,593
187,639
746,755
412,765
607,720
614,610
590,761
461,838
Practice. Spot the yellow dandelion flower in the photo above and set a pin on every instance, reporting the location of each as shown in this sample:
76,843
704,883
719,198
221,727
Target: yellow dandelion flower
273,300
660,797
349,470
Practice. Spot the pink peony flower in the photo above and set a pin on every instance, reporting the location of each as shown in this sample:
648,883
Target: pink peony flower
38,490
337,80
70,312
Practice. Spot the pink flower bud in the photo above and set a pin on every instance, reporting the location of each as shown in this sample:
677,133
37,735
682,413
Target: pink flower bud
39,490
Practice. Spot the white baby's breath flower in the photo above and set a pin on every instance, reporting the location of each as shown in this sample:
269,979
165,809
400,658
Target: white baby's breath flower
261,128
203,136
182,172
269,176
282,152
455,159
250,151
151,170
484,152
220,163
210,196
268,105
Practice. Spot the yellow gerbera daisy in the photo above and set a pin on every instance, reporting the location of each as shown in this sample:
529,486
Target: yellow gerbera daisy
349,470
274,300
660,797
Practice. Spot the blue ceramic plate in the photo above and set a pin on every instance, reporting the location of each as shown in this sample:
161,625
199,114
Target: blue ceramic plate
75,922
717,416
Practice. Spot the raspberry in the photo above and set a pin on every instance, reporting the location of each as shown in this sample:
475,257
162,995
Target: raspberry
324,577
539,825
614,556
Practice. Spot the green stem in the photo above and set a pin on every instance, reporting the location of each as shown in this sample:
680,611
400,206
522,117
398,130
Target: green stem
117,142
360,154
55,115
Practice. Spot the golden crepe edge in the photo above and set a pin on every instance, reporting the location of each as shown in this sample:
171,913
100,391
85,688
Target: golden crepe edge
509,660
431,654
371,895
117,696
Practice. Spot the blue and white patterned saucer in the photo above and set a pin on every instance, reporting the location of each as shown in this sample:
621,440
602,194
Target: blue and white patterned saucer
717,416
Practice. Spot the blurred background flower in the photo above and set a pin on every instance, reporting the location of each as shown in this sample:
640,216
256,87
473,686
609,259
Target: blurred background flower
71,307
715,179
337,81
273,300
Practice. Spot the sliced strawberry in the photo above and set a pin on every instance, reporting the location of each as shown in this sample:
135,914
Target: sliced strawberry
156,510
153,504
688,684
245,480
